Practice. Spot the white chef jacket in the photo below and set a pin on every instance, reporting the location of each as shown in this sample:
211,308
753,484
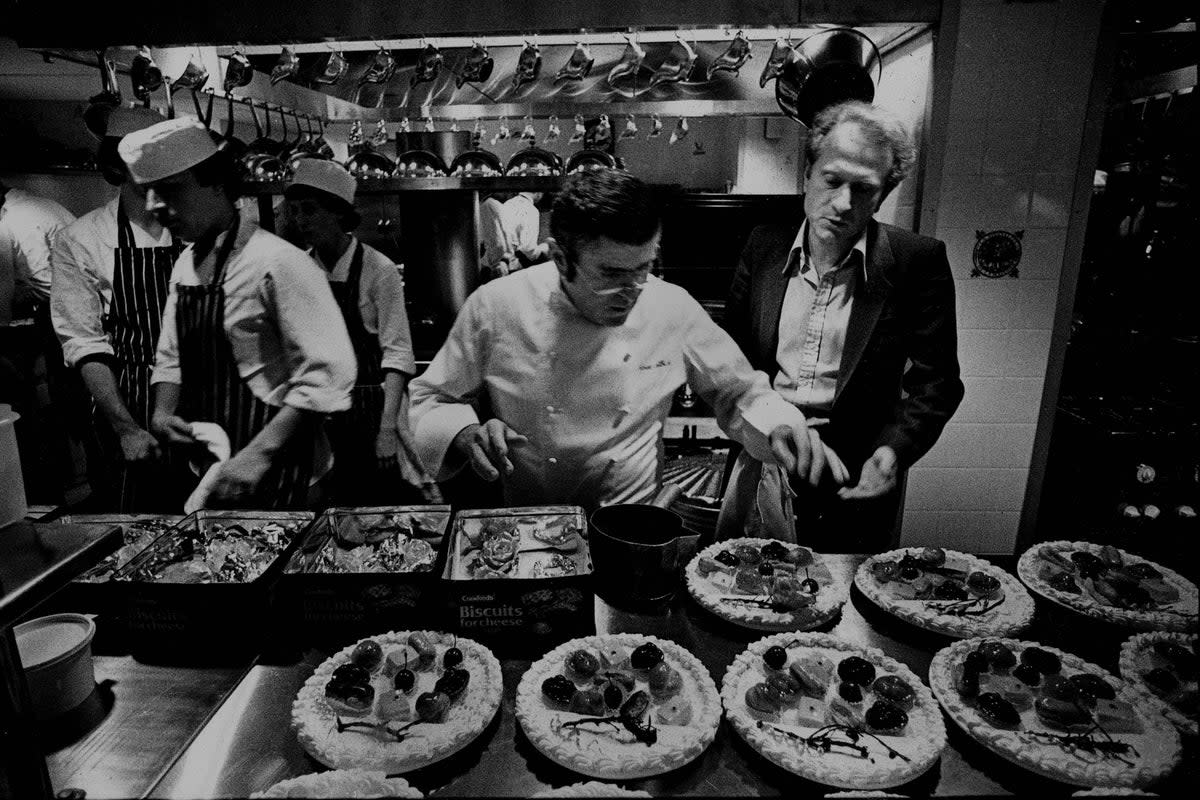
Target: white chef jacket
83,262
28,223
284,327
591,399
522,224
491,233
380,304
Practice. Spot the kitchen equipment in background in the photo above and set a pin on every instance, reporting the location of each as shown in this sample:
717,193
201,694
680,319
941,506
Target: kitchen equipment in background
677,66
587,160
534,161
382,67
321,147
780,54
476,164
578,65
429,126
370,164
580,129
145,75
194,76
630,130
733,58
635,549
238,72
285,67
681,130
12,484
528,132
529,65
552,129
334,69
446,145
110,91
826,68
429,64
56,652
420,164
476,67
630,63
264,142
656,127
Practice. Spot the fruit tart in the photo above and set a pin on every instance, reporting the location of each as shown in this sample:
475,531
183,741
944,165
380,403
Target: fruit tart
945,591
833,712
1054,713
1165,664
397,701
620,706
765,584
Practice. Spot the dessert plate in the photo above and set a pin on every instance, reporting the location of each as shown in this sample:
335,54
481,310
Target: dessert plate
1164,664
347,783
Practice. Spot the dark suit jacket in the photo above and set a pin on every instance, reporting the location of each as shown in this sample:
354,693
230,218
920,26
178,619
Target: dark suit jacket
903,314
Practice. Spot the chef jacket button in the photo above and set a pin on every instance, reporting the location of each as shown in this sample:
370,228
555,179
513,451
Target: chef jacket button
552,460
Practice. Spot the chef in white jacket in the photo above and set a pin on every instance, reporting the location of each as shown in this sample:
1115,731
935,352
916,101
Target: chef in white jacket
579,359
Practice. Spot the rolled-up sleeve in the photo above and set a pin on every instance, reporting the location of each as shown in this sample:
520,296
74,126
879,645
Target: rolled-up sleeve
320,358
745,405
442,397
77,300
166,355
395,338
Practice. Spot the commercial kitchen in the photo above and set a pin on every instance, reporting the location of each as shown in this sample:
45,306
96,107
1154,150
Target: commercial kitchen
709,621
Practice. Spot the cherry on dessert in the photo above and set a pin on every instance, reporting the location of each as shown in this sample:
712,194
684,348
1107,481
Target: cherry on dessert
351,673
884,571
405,680
810,585
452,657
582,663
775,657
1043,661
886,717
997,711
895,690
431,706
774,550
558,689
367,654
850,692
1028,674
728,558
453,682
645,656
999,655
765,569
856,670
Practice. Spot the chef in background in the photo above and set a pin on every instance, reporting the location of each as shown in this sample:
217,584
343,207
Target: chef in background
495,254
369,446
111,270
252,339
522,226
579,359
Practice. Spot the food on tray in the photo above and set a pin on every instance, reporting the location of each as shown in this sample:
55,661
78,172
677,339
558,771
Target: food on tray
619,706
590,789
397,701
945,591
385,541
519,543
1110,584
1054,713
136,537
765,584
1166,665
216,552
833,712
348,783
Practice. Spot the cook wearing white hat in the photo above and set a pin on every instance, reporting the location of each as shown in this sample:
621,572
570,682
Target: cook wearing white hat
251,335
111,270
372,464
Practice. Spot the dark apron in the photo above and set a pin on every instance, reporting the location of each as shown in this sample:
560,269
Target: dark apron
360,480
141,277
213,390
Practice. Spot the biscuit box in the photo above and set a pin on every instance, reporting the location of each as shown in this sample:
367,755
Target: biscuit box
364,570
520,579
201,592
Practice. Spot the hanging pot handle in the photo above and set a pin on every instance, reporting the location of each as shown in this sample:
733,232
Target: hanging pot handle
257,125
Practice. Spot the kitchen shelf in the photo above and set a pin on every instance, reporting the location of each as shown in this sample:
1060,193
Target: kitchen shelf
393,185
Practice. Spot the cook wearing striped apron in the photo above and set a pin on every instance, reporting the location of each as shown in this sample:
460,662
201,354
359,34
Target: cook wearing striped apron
368,440
251,338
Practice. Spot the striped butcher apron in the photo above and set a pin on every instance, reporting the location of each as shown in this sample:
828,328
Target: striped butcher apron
213,390
141,276
360,480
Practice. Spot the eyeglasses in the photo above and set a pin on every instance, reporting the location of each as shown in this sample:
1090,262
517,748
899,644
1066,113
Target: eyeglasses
629,281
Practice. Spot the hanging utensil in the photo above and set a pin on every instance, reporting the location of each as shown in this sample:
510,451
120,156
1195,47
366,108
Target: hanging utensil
827,68
599,136
194,76
285,67
429,126
677,66
631,60
733,58
529,64
334,69
321,148
780,54
263,142
552,129
144,74
238,72
95,117
580,129
502,131
405,125
528,133
477,134
631,129
382,67
476,66
655,127
429,64
204,116
681,130
380,137
578,65
231,144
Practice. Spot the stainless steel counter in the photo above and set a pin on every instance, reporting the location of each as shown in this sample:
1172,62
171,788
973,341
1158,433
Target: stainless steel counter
248,744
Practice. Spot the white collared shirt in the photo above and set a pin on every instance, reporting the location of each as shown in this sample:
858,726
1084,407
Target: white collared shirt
812,325
380,304
285,329
592,400
83,261
28,223
522,223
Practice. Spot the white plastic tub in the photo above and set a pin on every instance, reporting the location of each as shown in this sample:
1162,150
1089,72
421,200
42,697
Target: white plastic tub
56,652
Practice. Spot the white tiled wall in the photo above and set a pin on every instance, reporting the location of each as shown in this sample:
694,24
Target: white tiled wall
1022,72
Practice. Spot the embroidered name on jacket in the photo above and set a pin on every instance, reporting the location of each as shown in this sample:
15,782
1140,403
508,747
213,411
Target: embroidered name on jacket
662,362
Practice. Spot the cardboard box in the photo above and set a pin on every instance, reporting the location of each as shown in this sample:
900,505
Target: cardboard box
529,603
325,595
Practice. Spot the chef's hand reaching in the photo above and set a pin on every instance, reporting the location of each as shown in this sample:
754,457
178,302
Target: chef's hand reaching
240,475
138,446
486,447
172,428
878,476
789,444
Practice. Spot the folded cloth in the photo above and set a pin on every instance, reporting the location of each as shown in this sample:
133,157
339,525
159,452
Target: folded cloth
216,441
757,502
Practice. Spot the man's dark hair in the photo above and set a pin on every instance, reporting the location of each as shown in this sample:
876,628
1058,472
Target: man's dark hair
220,169
348,217
603,202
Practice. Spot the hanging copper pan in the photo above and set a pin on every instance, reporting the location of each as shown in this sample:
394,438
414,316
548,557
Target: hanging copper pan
826,68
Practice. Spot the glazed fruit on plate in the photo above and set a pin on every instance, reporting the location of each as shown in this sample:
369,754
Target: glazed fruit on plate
1054,713
619,706
765,584
833,712
946,591
397,701
1108,584
347,783
1165,664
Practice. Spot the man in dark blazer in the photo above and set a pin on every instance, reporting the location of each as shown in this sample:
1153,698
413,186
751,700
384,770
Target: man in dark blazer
854,321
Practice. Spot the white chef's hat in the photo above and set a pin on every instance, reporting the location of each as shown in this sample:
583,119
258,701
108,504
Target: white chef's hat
328,176
123,121
166,148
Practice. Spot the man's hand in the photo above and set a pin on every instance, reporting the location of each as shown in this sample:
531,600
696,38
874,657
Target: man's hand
486,447
240,475
173,429
138,446
799,451
878,476
387,445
